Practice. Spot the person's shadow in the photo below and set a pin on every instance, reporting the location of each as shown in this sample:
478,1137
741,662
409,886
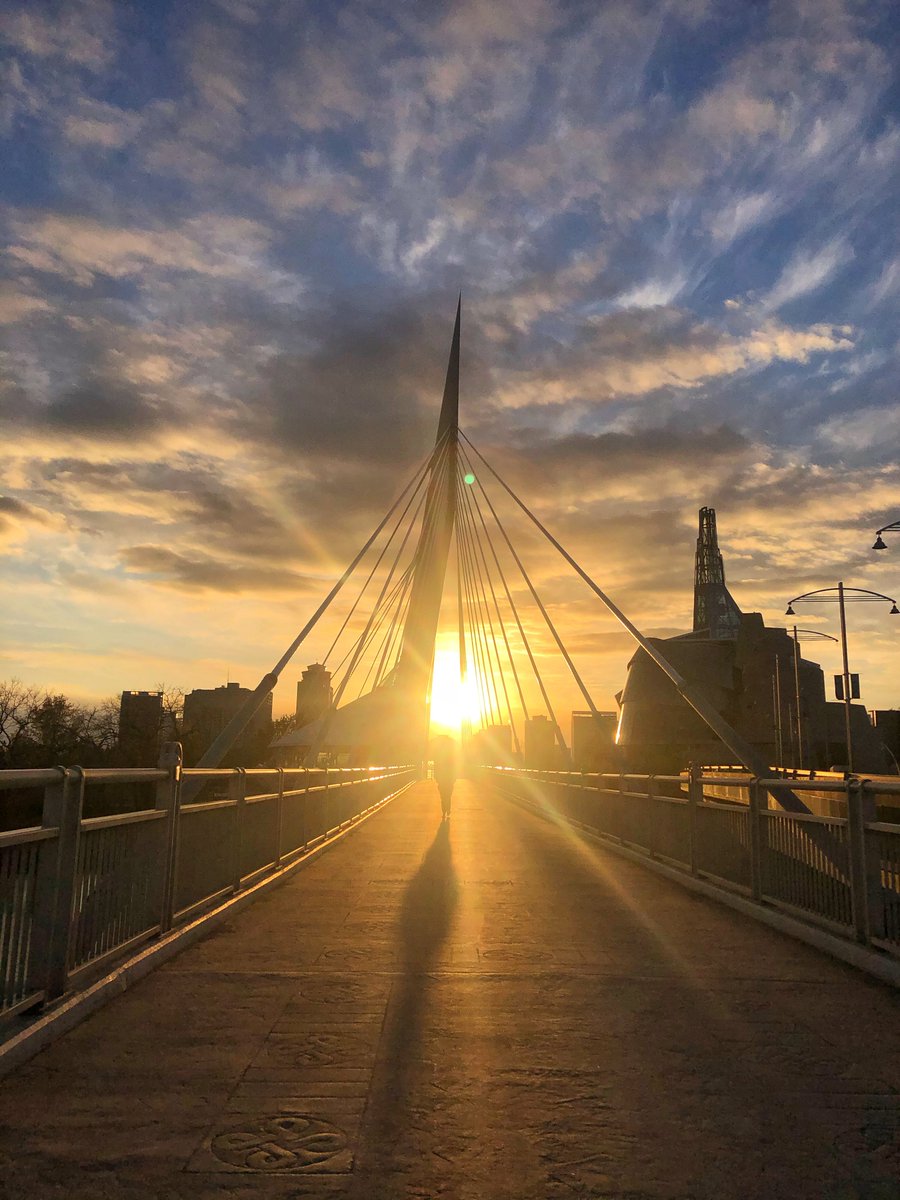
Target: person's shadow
425,920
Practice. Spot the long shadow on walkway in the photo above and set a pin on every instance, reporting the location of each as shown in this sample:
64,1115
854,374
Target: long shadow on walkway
425,921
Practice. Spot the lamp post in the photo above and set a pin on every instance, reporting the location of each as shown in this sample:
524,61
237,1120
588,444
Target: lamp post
880,543
839,595
810,633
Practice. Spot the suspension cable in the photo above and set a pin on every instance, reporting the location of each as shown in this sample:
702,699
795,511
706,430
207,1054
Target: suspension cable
492,636
475,629
378,561
466,501
220,745
537,673
550,625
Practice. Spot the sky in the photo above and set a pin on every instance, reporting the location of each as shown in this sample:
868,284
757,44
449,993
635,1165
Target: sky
234,235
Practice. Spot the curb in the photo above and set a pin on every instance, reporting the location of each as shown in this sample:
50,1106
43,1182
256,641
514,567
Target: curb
68,1013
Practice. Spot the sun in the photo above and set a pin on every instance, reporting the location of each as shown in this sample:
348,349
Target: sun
453,700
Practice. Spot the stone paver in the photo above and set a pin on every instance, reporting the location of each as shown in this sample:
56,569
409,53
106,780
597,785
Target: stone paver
481,1009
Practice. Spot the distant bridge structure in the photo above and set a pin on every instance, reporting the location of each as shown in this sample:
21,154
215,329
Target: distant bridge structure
82,892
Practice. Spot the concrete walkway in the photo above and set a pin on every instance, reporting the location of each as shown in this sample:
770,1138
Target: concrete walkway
485,1008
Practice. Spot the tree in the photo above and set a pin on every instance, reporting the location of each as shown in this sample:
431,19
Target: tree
18,703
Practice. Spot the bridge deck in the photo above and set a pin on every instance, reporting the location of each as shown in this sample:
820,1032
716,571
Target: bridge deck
489,1008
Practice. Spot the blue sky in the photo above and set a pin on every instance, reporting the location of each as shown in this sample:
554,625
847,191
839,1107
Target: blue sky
234,232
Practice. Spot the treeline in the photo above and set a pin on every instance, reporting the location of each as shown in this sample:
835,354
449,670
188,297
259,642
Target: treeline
40,728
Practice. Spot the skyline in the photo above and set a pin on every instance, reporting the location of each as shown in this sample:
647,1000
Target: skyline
234,238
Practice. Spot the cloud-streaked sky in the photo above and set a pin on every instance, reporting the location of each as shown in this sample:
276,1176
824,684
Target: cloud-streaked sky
234,235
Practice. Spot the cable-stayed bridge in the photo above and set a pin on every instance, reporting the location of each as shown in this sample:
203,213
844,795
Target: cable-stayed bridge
579,985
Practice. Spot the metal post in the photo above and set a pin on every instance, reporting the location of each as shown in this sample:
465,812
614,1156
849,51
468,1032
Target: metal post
238,791
865,869
63,808
856,834
797,699
652,841
756,845
279,819
168,798
695,797
776,710
846,676
47,885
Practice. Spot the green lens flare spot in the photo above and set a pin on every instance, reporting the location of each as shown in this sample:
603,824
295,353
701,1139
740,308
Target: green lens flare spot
470,478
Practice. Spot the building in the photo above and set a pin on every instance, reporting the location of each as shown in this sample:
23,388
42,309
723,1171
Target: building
314,694
746,671
886,722
540,750
491,746
594,741
140,723
206,713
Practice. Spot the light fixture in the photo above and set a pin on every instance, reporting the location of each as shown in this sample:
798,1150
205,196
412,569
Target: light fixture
895,611
789,611
879,543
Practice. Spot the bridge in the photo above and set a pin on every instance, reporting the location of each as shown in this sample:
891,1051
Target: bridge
298,980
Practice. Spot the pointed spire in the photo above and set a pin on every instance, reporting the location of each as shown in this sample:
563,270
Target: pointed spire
449,418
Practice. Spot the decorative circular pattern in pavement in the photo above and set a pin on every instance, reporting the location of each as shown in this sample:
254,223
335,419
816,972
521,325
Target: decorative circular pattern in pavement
286,1142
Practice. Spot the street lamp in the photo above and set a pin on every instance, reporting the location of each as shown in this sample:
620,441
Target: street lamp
810,633
839,595
880,543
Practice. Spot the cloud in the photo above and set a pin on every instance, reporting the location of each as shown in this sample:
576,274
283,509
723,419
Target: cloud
101,125
807,271
636,352
15,305
82,249
740,215
205,573
17,515
81,32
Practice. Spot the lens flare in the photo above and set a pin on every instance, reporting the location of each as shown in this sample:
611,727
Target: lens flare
453,700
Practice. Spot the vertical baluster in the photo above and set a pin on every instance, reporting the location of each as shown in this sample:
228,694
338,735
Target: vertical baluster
63,804
279,819
238,791
168,799
695,795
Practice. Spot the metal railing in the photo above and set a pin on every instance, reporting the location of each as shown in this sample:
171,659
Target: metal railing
842,873
79,892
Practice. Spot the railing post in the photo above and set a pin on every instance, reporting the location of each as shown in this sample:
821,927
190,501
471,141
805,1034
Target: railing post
865,872
168,798
47,886
279,819
755,819
653,833
237,787
695,797
63,805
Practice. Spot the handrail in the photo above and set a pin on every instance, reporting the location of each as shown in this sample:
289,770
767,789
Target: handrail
88,889
840,872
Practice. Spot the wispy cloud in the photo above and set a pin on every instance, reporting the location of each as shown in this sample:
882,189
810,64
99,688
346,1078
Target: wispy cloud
809,270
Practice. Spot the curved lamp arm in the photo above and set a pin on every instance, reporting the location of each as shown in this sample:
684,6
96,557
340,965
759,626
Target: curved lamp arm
880,544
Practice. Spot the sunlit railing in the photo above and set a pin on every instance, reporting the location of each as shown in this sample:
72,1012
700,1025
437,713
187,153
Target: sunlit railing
842,873
78,892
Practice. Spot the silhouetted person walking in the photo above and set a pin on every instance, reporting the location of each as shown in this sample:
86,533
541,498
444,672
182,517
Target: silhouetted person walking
445,771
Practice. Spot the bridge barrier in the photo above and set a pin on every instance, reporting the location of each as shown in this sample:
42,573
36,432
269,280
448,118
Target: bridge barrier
79,893
840,874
